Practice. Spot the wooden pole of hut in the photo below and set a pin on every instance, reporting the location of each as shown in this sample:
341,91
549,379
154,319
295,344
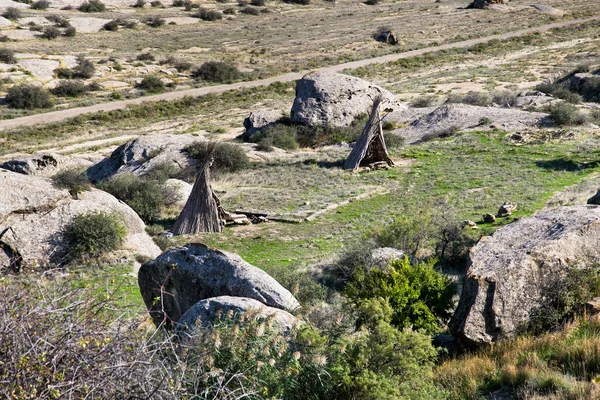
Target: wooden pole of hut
202,211
370,146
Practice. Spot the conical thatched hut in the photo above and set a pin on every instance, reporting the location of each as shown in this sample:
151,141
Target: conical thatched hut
202,211
370,146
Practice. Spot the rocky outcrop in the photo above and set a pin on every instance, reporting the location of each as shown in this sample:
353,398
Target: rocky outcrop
206,312
259,120
33,215
456,116
509,272
388,37
325,98
141,155
487,4
43,164
382,256
181,277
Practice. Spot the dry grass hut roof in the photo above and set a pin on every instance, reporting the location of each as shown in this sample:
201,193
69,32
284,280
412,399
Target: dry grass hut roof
202,211
370,146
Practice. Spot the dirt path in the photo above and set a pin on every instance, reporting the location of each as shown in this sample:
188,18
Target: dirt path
56,116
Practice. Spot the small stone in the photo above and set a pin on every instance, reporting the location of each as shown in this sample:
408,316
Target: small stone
489,218
506,209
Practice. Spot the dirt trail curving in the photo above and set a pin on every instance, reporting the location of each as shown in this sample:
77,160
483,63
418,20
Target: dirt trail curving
56,116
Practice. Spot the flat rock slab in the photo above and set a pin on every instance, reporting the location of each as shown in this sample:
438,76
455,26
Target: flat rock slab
20,34
181,277
182,20
547,9
463,117
88,24
4,22
510,271
41,69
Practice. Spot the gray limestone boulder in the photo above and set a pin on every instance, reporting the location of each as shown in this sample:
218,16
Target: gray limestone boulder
43,164
142,154
206,312
326,98
382,256
259,120
181,277
33,215
510,271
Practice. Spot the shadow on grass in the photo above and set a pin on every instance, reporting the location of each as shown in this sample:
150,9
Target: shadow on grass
564,164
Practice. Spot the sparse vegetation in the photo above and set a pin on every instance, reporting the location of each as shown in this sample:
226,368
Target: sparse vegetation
91,6
12,13
145,57
94,234
7,56
155,21
227,157
151,84
250,10
72,88
217,71
149,196
50,32
28,97
40,5
75,180
208,15
565,114
83,70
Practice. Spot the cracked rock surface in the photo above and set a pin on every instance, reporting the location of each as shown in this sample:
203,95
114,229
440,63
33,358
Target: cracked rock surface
509,271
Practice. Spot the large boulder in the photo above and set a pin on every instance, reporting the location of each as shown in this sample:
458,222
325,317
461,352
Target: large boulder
259,120
43,164
142,154
33,215
207,311
325,98
510,271
181,277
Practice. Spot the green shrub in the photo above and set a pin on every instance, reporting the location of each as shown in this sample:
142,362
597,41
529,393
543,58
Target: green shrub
278,135
12,13
50,32
83,70
94,234
148,197
418,295
208,15
504,98
58,20
70,31
229,11
227,157
156,3
155,21
392,141
7,56
565,114
111,26
29,97
250,10
139,4
70,89
146,57
40,5
151,84
591,90
90,6
75,180
560,91
217,71
423,101
179,65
